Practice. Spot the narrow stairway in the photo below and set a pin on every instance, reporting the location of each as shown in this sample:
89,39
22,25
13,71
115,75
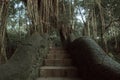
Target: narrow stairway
58,66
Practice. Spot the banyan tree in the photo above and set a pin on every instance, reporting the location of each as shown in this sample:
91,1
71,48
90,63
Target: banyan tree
47,15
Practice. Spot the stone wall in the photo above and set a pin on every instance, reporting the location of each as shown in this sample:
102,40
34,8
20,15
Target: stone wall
25,63
92,61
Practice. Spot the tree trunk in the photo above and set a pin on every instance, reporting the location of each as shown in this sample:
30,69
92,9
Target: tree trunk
3,17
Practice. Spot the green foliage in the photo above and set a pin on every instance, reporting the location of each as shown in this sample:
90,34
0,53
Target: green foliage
18,22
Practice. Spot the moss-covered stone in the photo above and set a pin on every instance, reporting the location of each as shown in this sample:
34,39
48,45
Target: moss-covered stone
24,63
93,62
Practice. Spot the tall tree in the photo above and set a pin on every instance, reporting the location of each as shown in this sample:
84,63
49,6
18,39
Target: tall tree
53,14
3,18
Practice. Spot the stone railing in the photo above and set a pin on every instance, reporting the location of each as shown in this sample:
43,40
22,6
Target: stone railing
25,63
93,63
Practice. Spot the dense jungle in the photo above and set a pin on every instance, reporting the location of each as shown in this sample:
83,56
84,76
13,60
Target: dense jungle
88,30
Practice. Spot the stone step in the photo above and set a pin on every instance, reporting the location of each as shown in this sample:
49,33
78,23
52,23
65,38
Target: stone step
53,71
58,62
58,78
57,56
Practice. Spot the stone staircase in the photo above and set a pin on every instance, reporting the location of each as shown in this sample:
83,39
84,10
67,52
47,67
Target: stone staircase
58,66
